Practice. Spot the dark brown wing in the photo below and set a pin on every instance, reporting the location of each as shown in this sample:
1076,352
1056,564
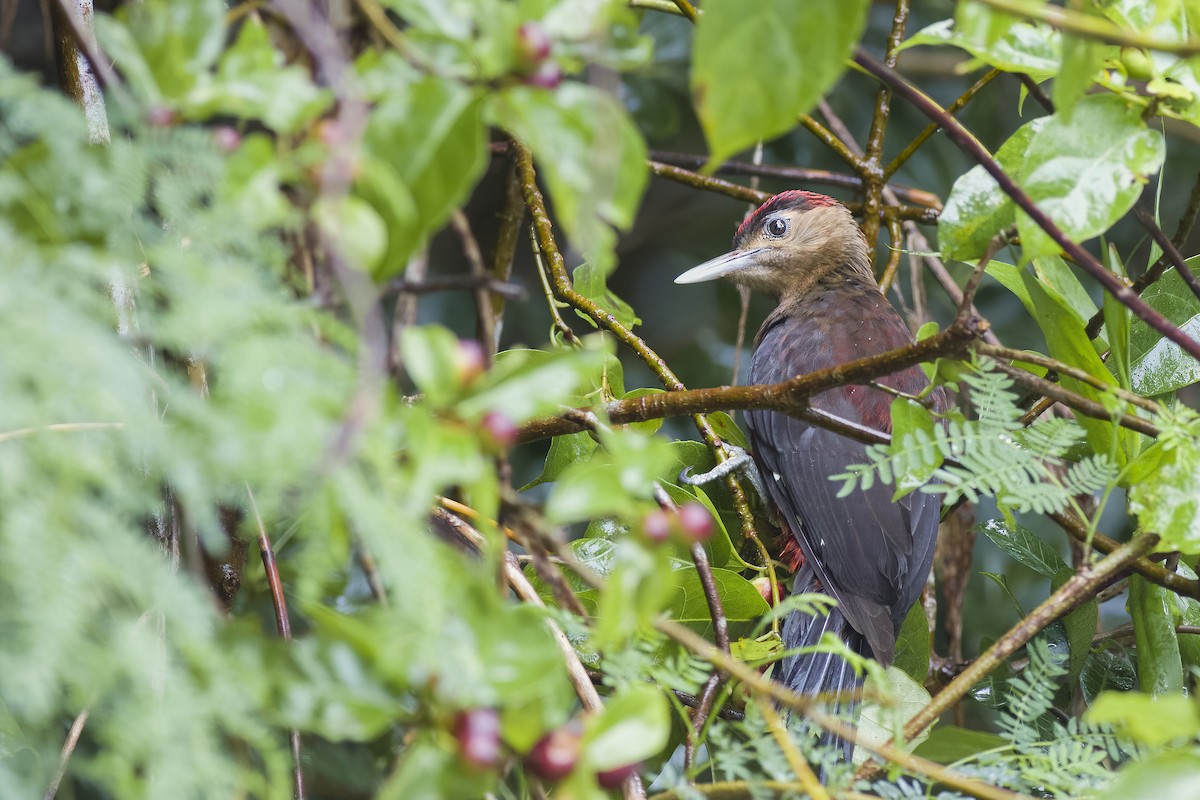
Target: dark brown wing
871,554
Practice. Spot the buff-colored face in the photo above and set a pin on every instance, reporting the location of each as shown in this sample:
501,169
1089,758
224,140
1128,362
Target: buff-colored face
787,249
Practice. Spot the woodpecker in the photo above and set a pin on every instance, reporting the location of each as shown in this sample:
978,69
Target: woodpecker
870,553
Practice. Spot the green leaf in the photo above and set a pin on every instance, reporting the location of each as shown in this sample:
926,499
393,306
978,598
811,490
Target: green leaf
565,450
1162,482
1081,59
1080,624
1087,171
757,66
1163,776
1152,608
1158,365
590,282
354,228
1110,668
1021,543
1054,273
913,432
913,645
590,155
527,383
1153,721
1067,341
1117,327
1000,40
252,82
949,743
168,45
431,361
635,725
588,490
977,208
884,720
742,603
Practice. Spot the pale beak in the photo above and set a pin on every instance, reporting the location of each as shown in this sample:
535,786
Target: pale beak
721,266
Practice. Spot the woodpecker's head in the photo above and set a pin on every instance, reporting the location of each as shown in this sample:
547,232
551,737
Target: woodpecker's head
787,244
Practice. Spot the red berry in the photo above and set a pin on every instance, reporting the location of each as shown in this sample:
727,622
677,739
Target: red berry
697,523
478,734
161,117
613,778
227,138
763,585
468,360
657,525
500,427
554,756
546,76
533,43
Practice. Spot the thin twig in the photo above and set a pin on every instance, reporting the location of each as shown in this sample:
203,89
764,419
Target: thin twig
912,147
1088,26
801,175
794,757
284,625
64,757
451,283
485,320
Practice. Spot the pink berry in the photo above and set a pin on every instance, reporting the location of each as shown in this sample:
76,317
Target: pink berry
161,117
657,525
548,75
763,585
533,43
696,522
227,138
468,360
555,755
500,428
613,778
478,735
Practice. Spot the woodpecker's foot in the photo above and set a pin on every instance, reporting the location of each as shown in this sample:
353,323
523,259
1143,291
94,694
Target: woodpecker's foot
739,459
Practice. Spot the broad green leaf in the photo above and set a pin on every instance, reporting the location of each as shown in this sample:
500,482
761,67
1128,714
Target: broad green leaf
1117,318
1151,607
1021,543
1067,341
431,361
352,225
590,282
175,43
1081,59
1086,172
634,726
1110,668
913,432
1170,775
639,587
977,208
949,743
589,153
565,450
252,82
588,490
1056,275
427,144
999,40
1189,615
1164,482
1153,721
913,645
526,383
756,66
883,721
1158,365
741,602
1080,625
719,547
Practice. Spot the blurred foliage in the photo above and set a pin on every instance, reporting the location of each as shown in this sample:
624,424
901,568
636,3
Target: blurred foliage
209,306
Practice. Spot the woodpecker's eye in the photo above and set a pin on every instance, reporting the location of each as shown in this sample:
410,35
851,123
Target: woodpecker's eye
776,227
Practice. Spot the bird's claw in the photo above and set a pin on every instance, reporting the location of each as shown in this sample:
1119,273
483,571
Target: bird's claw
739,459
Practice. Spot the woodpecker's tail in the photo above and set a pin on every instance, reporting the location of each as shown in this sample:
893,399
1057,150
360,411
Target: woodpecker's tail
821,673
